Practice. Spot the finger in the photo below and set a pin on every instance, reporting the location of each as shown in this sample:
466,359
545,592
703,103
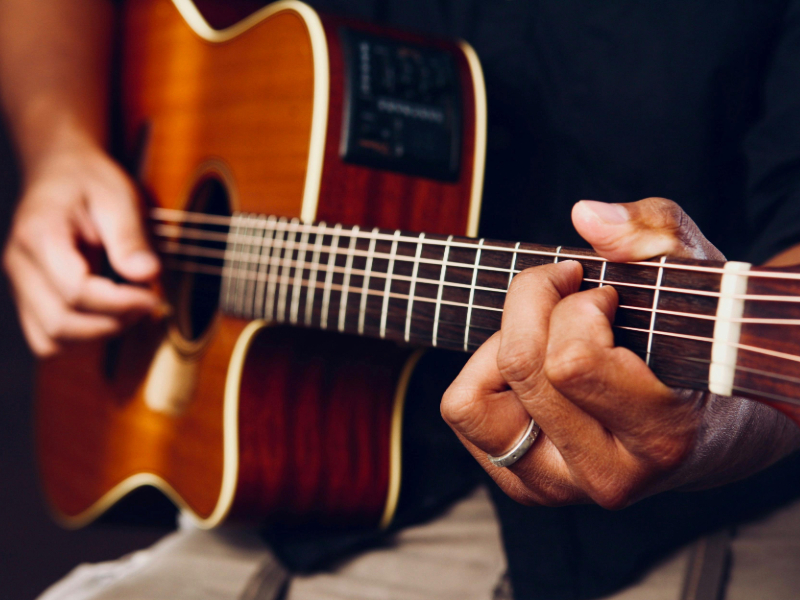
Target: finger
641,230
613,385
115,212
479,405
489,418
68,272
524,336
53,318
541,477
581,346
40,344
588,449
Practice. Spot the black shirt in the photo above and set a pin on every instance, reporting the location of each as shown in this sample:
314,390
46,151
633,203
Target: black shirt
618,100
696,101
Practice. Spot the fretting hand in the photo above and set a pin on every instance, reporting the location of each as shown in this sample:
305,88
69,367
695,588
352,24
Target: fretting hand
611,432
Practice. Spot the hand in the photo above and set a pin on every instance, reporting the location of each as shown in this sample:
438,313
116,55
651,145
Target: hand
75,201
611,432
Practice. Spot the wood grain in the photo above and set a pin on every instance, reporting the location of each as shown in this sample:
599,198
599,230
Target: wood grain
315,411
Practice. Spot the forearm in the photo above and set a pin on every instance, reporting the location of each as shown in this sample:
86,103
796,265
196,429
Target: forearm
54,63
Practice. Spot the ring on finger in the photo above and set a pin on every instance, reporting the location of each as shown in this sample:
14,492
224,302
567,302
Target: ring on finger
519,449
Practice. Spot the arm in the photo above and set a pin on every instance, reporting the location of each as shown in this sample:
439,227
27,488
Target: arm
54,62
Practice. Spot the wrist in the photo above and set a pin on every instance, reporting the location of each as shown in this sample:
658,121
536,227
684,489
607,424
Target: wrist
51,135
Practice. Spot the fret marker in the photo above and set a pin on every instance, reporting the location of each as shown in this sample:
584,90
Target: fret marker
472,293
654,312
728,328
413,286
388,288
435,336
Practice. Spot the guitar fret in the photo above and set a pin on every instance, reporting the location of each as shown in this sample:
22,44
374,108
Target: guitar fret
263,267
413,287
274,267
326,290
286,270
435,336
252,284
231,249
472,293
655,308
556,256
297,287
603,274
236,263
362,308
388,286
244,284
312,275
348,270
513,265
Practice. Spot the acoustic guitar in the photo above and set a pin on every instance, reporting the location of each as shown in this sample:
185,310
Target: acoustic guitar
275,387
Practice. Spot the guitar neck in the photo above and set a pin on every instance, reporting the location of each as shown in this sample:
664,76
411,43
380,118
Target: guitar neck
682,317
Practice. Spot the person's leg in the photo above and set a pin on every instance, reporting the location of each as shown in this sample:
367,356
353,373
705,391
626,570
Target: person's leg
190,564
458,555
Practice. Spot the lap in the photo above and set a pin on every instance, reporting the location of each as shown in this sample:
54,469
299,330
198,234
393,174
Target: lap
459,555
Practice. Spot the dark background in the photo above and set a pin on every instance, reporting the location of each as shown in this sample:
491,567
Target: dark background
34,551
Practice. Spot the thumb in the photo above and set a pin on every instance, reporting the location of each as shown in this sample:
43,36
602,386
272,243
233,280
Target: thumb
641,230
119,225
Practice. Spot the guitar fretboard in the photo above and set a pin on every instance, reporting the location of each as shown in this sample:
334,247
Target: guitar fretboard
441,291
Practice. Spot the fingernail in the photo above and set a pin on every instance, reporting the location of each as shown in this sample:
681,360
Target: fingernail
614,214
143,262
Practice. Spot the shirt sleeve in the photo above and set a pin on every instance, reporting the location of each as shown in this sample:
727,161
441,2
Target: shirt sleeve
772,149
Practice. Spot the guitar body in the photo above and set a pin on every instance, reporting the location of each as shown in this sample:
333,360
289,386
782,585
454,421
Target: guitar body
228,416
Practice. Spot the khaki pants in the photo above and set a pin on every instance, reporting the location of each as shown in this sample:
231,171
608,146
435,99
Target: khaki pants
457,556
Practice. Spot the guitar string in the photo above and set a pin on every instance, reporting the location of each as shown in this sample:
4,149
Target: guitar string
201,218
296,265
405,297
176,248
457,344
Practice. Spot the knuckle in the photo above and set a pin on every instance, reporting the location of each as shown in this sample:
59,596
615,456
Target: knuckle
614,493
517,362
571,362
557,495
667,453
457,406
54,324
667,214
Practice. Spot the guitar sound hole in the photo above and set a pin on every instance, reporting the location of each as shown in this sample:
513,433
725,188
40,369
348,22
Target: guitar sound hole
194,287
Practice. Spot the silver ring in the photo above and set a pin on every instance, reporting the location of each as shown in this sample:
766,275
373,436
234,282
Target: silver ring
520,448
